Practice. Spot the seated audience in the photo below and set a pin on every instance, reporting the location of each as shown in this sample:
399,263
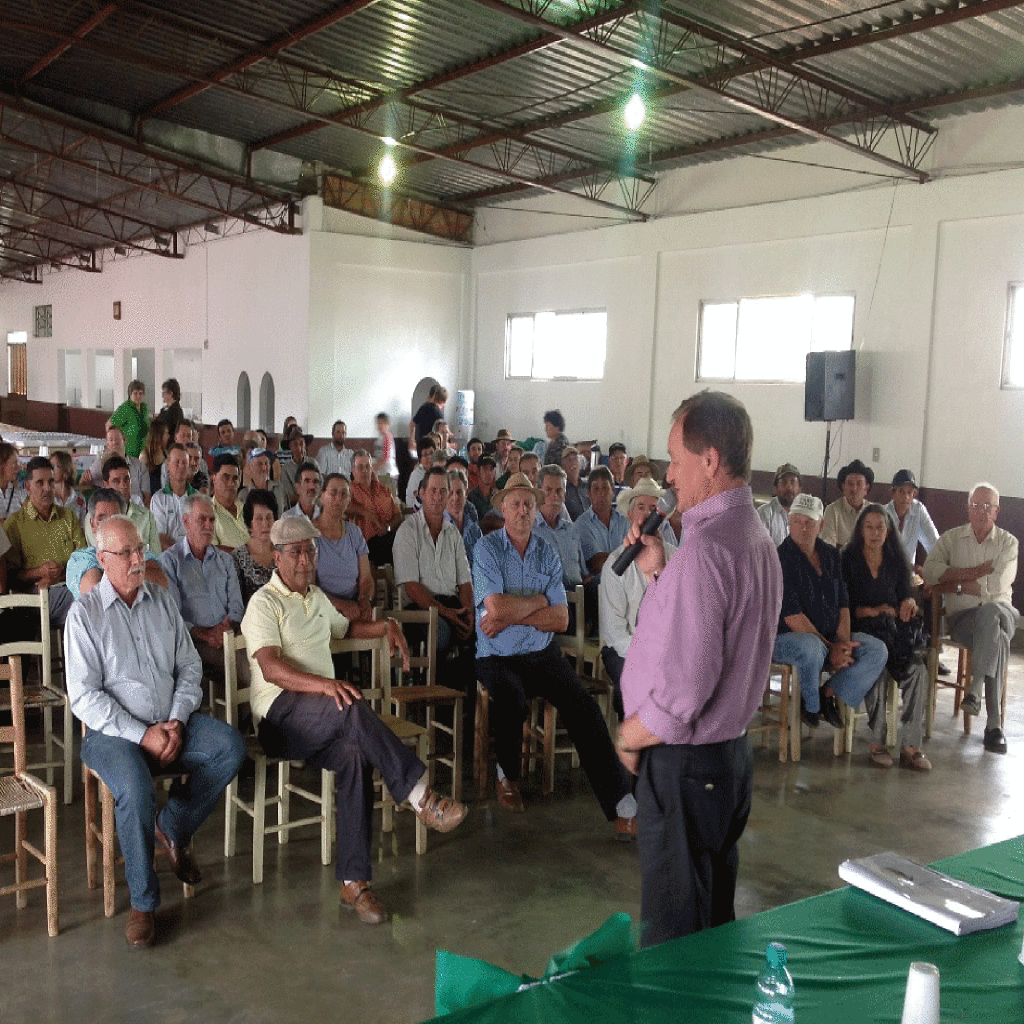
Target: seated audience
602,526
254,560
342,558
117,476
307,491
426,460
132,416
229,531
140,714
333,456
474,452
503,444
260,477
775,513
973,567
457,512
154,453
170,415
877,579
385,464
617,462
12,497
432,569
188,437
577,497
620,596
555,527
283,452
42,536
84,570
520,605
373,509
115,446
64,493
480,496
460,464
913,524
529,466
225,440
814,624
304,712
639,469
168,503
445,439
554,428
512,463
295,442
204,579
855,481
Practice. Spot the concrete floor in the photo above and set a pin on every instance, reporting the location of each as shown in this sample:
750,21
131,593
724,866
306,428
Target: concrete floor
510,890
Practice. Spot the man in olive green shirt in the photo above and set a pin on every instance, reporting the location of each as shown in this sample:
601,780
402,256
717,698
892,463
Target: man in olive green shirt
43,535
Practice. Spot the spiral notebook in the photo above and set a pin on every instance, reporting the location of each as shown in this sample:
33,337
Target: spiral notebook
951,904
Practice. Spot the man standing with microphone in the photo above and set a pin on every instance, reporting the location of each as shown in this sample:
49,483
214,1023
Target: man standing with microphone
695,673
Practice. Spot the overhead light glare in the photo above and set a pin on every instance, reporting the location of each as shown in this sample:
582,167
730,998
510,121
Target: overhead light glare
389,141
635,112
388,169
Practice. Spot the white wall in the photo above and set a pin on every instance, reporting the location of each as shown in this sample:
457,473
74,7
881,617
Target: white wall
382,315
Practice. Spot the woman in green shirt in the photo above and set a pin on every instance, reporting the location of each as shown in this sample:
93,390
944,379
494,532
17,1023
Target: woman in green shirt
133,419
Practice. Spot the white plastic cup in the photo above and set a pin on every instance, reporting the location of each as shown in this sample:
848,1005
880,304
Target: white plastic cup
921,1003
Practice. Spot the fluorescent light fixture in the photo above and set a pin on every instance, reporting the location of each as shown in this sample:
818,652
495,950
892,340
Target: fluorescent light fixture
389,141
634,112
387,169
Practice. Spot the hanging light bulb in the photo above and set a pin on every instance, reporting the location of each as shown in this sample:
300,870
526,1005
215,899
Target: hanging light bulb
387,169
635,112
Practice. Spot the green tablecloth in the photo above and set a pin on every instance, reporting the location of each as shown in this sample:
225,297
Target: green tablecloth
848,953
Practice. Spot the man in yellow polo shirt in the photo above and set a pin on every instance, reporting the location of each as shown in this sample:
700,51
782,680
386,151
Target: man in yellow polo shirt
303,712
229,529
43,535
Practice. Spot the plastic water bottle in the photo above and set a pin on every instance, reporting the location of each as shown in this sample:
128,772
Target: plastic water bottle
773,994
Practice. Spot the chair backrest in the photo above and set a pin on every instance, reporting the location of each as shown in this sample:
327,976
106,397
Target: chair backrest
234,695
385,592
15,732
378,694
41,648
573,643
424,658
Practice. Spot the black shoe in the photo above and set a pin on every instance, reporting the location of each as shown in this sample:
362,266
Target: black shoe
943,670
994,741
830,710
811,718
971,704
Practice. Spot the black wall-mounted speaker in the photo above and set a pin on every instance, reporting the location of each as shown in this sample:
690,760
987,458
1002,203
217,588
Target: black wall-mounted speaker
830,386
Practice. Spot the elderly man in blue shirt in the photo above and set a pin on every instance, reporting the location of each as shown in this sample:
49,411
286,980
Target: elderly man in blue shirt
133,678
520,605
205,583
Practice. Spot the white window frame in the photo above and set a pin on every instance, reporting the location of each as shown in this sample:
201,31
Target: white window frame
749,298
1014,295
532,376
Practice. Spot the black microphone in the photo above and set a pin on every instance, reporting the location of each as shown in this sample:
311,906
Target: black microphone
651,526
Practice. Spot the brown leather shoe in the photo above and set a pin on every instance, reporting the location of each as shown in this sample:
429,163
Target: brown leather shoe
182,862
140,930
440,813
509,796
625,829
359,897
915,761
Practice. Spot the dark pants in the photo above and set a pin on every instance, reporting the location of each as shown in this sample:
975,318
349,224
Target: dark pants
694,802
351,743
513,680
379,548
614,663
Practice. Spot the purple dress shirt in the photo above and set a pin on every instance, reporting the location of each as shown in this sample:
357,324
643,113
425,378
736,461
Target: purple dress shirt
697,667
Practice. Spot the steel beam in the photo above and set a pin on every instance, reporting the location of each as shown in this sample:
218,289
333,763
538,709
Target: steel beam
61,48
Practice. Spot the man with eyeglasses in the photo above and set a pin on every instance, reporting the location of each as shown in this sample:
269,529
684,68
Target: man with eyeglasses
133,678
304,712
974,567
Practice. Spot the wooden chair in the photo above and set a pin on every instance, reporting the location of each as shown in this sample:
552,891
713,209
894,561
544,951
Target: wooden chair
775,715
385,593
237,715
429,696
842,739
586,651
21,792
961,682
46,695
483,749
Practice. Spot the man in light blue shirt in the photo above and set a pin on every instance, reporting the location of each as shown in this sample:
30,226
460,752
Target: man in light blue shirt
133,678
520,605
911,518
205,583
602,527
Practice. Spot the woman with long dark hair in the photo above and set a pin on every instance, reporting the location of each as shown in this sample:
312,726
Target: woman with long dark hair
878,582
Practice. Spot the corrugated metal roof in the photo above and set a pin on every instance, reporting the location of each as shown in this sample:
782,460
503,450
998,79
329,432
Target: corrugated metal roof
487,101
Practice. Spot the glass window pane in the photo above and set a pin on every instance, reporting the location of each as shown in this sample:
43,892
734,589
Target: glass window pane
717,340
1013,375
772,337
832,329
519,346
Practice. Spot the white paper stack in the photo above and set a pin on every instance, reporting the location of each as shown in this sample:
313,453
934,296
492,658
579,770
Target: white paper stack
956,906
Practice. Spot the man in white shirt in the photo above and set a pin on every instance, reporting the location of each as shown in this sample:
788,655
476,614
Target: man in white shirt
168,503
426,457
911,518
974,566
775,513
334,457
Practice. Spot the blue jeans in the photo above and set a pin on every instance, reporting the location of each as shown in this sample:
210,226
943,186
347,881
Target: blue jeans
210,758
808,655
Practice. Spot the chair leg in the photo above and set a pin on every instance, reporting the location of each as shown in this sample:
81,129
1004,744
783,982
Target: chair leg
327,813
20,857
549,748
794,713
892,712
259,818
963,683
50,848
284,800
230,818
48,741
457,726
69,749
421,828
784,714
481,743
89,787
107,823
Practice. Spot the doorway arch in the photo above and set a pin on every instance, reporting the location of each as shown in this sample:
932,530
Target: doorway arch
267,403
243,397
